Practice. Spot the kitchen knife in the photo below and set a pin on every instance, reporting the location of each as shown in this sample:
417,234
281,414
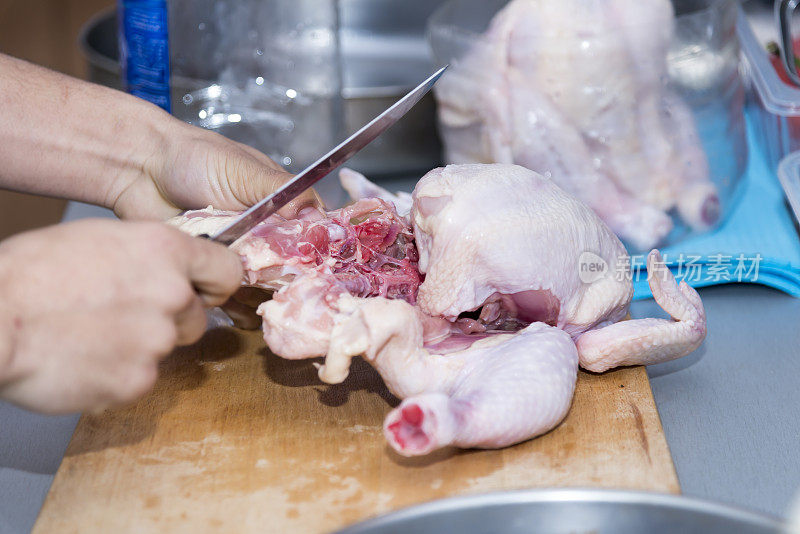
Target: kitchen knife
324,165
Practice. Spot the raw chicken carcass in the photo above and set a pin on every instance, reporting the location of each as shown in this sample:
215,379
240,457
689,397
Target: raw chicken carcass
574,89
366,247
485,351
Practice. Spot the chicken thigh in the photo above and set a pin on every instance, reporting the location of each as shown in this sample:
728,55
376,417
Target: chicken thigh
574,89
483,346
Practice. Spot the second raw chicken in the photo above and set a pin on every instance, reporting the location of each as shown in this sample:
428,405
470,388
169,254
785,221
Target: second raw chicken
575,90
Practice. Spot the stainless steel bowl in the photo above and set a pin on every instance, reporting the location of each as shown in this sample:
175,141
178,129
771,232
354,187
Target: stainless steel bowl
570,512
384,55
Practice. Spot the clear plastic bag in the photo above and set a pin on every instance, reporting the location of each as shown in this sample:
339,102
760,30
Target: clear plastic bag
264,73
274,73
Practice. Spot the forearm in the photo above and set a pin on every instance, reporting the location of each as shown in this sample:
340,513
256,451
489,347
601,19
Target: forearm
67,138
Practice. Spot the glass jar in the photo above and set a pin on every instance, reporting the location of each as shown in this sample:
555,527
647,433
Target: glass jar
636,108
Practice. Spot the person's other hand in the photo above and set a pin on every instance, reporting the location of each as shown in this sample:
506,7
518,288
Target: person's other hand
198,168
89,308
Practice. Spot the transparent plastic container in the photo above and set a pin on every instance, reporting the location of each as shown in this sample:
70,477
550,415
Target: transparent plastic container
789,175
775,105
636,108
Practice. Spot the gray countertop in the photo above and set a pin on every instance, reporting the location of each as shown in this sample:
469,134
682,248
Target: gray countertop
730,410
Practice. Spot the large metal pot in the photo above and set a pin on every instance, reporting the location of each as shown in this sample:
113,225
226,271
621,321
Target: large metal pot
384,55
570,512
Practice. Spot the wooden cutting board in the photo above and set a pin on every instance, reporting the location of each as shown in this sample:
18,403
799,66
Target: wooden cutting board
234,438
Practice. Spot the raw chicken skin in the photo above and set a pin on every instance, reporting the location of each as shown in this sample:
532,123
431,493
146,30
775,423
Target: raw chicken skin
574,89
488,356
488,230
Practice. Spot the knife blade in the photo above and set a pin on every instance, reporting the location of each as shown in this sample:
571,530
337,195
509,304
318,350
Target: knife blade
324,165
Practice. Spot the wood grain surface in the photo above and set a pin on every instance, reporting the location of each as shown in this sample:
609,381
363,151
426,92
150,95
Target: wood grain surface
234,438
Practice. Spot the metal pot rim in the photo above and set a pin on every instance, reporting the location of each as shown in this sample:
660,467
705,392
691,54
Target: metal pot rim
95,57
573,495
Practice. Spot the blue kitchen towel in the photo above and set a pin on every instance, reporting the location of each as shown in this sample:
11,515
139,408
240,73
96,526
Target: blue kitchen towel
758,243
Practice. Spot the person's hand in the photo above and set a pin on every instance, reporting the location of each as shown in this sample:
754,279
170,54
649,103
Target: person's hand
89,308
198,168
94,144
